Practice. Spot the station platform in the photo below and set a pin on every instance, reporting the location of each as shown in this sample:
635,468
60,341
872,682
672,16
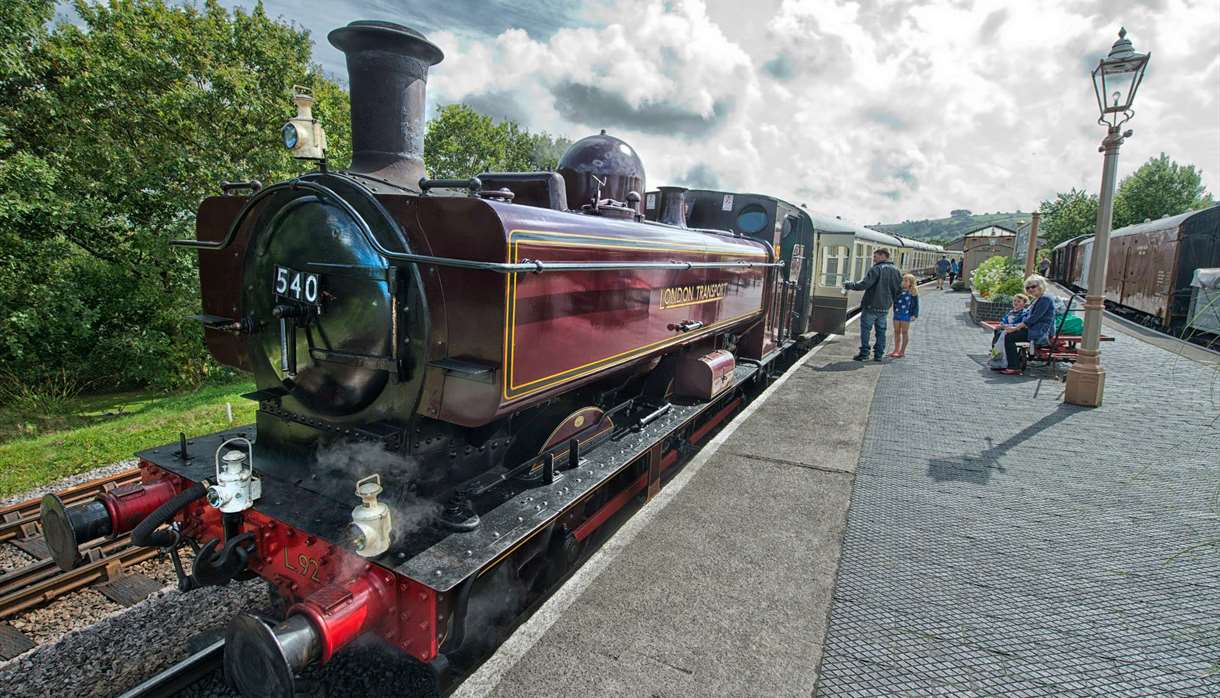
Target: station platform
999,542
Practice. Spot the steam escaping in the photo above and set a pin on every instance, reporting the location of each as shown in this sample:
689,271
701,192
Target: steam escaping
494,603
345,462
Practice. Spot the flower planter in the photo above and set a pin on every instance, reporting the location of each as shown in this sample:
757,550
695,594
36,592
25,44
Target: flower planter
982,309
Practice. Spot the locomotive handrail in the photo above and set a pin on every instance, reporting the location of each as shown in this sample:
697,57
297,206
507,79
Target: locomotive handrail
525,266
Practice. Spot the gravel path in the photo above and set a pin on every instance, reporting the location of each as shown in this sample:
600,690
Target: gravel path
62,483
13,558
124,648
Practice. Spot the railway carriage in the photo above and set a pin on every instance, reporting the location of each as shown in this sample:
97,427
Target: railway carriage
1064,260
845,253
1150,265
917,257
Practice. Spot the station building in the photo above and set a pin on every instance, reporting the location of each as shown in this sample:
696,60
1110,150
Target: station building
979,244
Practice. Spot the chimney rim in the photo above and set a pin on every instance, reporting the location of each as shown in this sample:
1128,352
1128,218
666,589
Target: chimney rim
344,38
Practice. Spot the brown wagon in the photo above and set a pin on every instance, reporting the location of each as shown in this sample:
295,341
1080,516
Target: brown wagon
1151,265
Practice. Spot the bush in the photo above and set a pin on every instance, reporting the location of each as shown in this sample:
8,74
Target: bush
51,394
995,275
1001,298
1010,287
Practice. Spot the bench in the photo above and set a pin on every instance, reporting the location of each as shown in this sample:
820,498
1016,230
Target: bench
1063,348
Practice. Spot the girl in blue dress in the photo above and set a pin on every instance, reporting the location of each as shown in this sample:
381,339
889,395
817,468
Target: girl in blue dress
906,309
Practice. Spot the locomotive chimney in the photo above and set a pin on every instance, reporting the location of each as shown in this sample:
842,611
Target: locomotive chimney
672,207
387,71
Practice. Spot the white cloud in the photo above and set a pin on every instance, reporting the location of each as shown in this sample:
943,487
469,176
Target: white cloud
666,78
878,110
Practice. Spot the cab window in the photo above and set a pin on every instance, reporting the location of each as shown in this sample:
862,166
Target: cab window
752,219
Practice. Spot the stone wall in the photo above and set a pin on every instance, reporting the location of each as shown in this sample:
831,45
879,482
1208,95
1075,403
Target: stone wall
982,309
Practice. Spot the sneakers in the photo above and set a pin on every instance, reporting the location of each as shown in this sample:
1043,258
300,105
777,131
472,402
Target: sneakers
877,358
862,356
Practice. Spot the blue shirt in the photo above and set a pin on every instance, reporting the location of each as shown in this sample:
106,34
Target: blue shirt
1041,319
906,306
942,266
1015,317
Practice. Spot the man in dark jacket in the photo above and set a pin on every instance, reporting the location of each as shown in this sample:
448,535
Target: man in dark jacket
881,286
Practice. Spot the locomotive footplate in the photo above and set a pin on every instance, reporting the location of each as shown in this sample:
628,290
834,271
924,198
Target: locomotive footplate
509,525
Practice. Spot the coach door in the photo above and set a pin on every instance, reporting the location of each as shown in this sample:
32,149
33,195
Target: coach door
833,263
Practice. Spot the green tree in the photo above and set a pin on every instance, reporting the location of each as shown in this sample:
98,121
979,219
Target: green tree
460,142
111,132
1160,187
1068,215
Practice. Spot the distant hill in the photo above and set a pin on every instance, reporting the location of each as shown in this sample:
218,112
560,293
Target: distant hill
957,224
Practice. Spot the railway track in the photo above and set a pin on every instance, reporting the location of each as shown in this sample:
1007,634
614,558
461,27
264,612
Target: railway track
106,564
41,582
180,674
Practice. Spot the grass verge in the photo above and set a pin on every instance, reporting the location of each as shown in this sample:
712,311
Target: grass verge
127,423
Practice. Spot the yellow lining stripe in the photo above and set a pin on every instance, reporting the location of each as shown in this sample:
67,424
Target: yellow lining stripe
632,240
510,313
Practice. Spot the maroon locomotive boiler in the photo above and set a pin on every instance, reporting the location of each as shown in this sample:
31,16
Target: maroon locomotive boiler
454,391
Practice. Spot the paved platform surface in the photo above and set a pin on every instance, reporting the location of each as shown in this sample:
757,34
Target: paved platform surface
722,584
998,542
1002,543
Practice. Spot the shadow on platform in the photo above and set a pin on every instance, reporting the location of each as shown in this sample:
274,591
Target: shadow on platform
977,469
840,366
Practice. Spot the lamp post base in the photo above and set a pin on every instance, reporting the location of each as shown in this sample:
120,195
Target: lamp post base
1086,380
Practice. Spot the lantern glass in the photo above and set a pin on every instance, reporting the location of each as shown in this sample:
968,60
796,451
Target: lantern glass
1115,81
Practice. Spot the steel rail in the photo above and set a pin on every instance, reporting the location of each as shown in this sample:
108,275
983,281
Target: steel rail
14,518
179,675
528,266
41,582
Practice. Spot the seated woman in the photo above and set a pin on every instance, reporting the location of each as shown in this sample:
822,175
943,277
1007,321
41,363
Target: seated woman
1035,328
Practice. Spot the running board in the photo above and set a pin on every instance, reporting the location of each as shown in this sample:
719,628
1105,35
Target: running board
461,555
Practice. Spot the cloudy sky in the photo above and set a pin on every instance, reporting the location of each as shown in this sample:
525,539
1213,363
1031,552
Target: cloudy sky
875,110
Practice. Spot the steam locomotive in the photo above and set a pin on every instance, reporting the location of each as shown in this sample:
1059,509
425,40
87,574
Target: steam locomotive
455,391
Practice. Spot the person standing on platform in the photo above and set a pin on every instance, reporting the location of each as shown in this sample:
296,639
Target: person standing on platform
955,269
942,270
881,286
1044,267
906,309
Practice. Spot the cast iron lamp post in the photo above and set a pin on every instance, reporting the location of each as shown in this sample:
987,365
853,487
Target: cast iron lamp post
1115,81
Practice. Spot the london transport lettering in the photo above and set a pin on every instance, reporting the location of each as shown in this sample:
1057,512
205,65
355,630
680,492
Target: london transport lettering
678,296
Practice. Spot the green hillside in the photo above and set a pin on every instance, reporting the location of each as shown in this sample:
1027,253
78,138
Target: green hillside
957,224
